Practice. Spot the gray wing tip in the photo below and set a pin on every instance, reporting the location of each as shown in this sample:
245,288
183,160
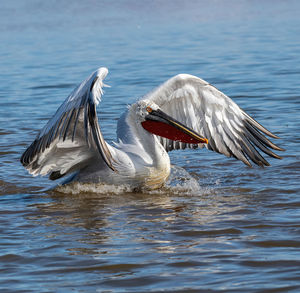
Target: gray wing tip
253,122
253,139
29,161
28,154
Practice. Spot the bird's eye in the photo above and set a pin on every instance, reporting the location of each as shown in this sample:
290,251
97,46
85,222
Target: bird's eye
149,109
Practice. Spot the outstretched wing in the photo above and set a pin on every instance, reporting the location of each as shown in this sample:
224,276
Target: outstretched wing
212,114
72,137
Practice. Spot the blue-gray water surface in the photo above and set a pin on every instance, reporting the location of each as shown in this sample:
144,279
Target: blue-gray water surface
217,225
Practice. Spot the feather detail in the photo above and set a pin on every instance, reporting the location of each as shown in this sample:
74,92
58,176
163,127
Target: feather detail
212,114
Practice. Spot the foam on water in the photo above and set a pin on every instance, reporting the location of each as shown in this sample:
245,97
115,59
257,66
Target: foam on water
77,188
179,182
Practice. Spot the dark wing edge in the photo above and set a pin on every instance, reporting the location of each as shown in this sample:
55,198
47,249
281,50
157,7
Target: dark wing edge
78,108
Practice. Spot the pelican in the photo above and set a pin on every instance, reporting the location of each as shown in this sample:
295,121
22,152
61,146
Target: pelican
184,112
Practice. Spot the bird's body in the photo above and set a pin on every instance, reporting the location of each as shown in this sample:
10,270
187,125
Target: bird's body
200,115
139,160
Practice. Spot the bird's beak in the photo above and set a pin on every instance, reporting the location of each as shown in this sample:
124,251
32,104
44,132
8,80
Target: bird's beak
159,123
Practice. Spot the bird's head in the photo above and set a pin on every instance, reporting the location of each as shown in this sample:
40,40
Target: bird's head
157,122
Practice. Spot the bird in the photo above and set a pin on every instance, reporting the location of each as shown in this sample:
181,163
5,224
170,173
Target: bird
183,112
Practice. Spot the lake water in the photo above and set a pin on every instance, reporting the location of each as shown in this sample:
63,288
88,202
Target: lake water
217,226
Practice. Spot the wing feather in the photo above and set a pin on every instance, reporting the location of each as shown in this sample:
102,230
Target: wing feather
72,137
212,114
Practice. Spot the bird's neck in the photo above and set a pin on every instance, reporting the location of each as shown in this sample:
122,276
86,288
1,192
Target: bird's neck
130,132
149,159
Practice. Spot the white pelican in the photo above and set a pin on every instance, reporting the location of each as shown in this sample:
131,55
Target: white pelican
184,112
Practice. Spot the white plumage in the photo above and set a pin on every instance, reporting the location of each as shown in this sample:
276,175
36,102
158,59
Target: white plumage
185,111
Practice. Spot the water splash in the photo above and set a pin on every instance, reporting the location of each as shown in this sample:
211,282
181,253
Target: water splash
100,188
179,182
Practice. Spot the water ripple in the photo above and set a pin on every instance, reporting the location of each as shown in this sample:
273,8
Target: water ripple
216,226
